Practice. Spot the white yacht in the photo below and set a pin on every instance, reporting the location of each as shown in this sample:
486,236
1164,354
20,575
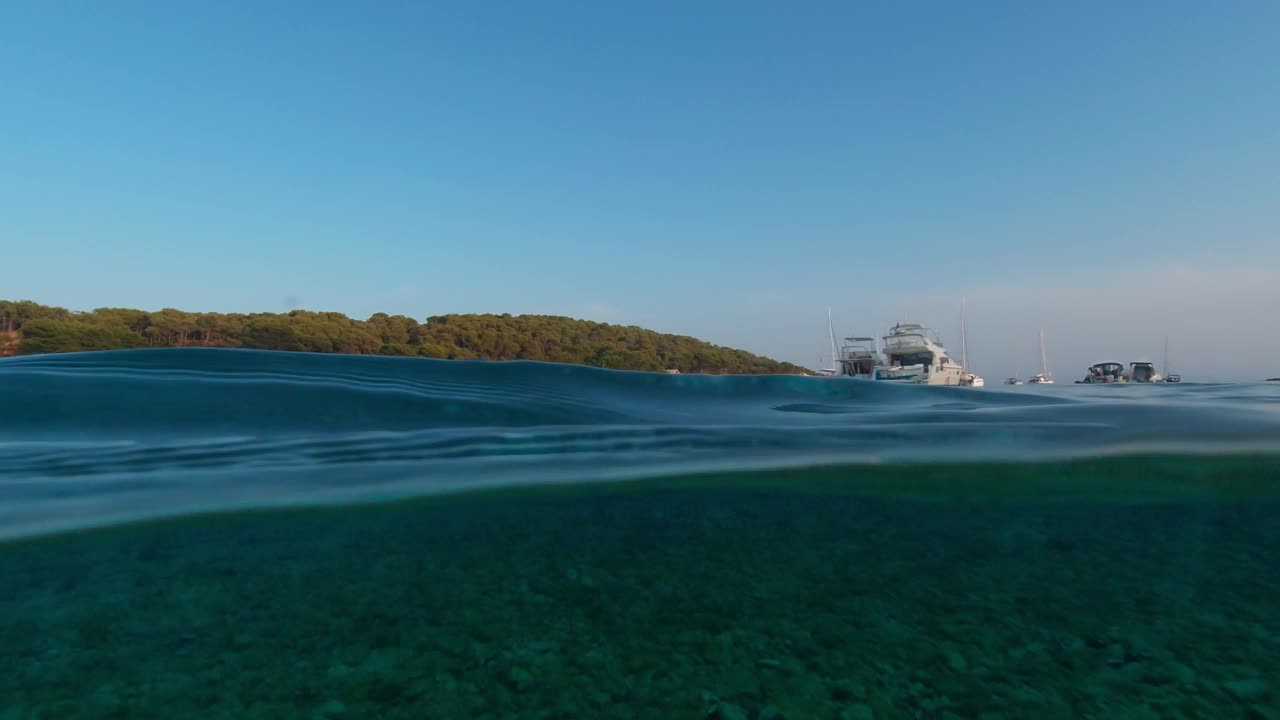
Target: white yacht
1044,377
914,354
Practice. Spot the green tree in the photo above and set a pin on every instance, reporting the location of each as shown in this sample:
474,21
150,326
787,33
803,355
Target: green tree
490,337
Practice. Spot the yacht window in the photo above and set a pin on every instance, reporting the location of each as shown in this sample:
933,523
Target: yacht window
914,359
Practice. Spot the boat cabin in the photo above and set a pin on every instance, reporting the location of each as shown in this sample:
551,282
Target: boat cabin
1143,372
1108,372
908,344
858,357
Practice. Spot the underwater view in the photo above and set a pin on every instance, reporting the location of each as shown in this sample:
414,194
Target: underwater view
229,533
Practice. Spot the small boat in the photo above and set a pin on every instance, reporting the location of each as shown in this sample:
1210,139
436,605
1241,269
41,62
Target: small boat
1016,379
858,358
914,354
1106,373
1044,377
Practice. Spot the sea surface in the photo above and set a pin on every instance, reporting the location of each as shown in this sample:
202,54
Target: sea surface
244,534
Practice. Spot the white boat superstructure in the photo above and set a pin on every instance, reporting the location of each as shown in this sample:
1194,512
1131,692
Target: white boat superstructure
1044,377
858,358
914,354
1144,372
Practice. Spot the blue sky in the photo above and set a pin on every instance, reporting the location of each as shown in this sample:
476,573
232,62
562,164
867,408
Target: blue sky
1108,171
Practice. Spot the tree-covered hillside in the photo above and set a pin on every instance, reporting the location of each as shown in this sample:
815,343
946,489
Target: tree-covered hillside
33,328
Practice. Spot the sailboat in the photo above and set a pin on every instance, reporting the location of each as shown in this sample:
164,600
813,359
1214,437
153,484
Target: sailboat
1044,377
835,353
969,378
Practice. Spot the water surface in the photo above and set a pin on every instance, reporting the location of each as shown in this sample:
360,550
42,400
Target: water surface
191,534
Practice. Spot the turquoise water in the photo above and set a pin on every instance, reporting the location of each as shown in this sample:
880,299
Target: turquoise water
194,533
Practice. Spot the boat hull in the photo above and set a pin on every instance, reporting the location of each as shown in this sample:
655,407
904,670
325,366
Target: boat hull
916,376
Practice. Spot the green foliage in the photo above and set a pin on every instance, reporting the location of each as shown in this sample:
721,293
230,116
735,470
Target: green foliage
489,337
52,336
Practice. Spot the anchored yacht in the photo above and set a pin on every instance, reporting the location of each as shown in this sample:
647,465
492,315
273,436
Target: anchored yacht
914,354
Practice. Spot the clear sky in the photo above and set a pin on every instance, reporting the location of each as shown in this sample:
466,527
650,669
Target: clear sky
1109,171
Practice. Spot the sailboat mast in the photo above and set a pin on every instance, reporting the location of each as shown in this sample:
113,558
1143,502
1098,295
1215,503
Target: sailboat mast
1044,364
831,331
1165,372
964,339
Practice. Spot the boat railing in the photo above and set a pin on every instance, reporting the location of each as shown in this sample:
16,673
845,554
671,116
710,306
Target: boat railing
906,340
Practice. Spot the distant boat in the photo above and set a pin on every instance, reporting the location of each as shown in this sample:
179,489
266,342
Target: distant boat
1105,373
1144,372
1016,379
970,378
1169,377
1044,377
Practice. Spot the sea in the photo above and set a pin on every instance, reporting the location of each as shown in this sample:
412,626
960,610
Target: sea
201,533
